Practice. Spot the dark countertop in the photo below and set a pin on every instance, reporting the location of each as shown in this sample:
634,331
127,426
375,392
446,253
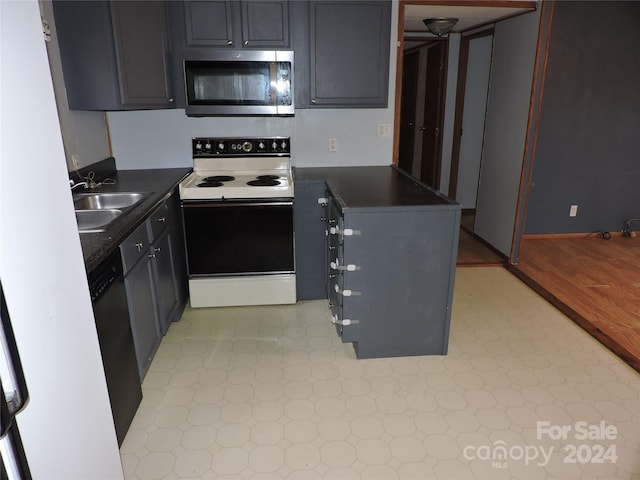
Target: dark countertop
159,182
374,187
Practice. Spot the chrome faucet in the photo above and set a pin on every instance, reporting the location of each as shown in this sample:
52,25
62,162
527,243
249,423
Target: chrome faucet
75,185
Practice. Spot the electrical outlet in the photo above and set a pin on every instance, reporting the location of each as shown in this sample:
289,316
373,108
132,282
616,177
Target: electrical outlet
384,130
333,144
573,211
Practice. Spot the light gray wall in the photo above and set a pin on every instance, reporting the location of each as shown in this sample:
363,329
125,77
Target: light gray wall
475,108
505,131
162,138
85,134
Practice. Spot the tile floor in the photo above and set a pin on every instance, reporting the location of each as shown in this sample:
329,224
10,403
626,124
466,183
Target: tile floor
272,393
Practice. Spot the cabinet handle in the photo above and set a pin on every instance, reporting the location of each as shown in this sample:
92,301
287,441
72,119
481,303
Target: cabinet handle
323,219
153,254
344,323
162,220
313,100
246,42
323,201
332,248
229,42
332,275
333,222
346,292
140,246
171,100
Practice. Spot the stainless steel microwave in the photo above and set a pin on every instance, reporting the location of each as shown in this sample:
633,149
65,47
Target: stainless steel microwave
239,82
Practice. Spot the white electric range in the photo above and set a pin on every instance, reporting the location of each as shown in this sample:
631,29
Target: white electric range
237,208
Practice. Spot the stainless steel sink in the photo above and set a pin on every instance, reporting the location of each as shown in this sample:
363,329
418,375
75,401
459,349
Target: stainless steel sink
94,221
107,201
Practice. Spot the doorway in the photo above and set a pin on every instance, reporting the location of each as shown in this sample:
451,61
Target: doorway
422,110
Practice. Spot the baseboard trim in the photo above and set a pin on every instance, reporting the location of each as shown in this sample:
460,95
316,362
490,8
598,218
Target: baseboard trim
551,236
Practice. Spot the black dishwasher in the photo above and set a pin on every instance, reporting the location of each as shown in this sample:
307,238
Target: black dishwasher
108,296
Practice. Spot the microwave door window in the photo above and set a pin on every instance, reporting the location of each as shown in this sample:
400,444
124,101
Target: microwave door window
253,89
230,85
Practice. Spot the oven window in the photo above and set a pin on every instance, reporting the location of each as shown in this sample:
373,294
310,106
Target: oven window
225,238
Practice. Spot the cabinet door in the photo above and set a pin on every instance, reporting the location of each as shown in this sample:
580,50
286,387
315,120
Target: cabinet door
265,23
349,53
176,236
247,24
140,34
165,280
311,250
209,23
142,310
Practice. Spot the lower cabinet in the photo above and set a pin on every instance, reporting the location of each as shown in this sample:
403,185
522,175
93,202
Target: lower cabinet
310,234
164,280
152,274
142,311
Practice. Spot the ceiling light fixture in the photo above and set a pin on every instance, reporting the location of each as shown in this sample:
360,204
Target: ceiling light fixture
440,25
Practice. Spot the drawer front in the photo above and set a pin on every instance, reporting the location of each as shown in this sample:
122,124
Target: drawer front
158,221
136,245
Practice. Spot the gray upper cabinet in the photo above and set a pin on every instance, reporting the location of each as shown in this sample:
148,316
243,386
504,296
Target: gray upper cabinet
347,47
232,24
114,54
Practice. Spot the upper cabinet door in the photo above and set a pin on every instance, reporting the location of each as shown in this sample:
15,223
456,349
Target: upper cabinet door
114,54
246,24
349,53
140,33
265,23
209,23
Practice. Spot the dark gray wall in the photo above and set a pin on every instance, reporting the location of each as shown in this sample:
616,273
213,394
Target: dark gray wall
588,148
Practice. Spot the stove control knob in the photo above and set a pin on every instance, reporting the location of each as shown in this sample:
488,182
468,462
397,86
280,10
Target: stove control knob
207,146
274,145
247,146
283,145
198,147
220,146
261,145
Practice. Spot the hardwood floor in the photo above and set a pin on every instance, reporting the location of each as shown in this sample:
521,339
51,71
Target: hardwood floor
595,282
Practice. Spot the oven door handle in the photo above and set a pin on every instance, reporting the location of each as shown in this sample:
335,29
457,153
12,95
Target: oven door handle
235,204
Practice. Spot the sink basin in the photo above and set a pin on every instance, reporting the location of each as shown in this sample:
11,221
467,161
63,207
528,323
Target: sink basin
94,221
107,201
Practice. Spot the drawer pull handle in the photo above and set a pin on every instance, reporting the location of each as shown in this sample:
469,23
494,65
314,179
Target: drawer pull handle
348,268
140,246
161,220
346,293
345,322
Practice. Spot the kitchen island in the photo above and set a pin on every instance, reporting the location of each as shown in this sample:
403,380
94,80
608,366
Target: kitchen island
381,247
